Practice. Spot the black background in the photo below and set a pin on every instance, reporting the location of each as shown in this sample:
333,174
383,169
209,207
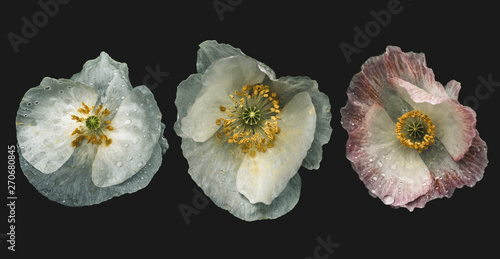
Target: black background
460,40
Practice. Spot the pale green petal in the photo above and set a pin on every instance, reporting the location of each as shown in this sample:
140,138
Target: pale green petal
211,50
108,77
213,165
263,177
136,132
220,80
185,98
44,124
71,185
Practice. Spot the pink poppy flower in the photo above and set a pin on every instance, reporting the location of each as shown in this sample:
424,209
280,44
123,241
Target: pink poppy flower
410,140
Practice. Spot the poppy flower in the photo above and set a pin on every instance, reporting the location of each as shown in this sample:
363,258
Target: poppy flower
410,140
245,134
87,139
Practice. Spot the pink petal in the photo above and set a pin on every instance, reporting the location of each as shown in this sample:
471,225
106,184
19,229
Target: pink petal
412,67
449,175
392,172
372,83
417,94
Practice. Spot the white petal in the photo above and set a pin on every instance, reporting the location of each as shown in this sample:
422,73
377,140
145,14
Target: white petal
136,132
221,79
455,123
108,77
286,88
394,173
263,177
44,123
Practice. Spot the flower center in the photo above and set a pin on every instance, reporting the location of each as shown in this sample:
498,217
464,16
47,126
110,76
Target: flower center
92,130
251,115
93,122
252,121
415,130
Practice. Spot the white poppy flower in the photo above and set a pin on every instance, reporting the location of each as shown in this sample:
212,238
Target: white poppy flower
245,133
87,139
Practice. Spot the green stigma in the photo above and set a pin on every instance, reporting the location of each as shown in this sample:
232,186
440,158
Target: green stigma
416,130
93,122
251,115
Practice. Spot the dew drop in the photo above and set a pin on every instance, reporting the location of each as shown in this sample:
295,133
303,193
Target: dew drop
126,145
127,122
61,91
28,104
119,164
37,102
140,164
130,158
394,166
379,163
136,140
123,97
387,200
374,178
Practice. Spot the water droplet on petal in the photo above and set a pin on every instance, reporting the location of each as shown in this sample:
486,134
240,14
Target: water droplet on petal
119,164
379,163
387,200
394,166
127,122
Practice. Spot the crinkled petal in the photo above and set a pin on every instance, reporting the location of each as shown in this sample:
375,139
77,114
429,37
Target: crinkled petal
455,123
448,174
136,132
185,98
263,177
71,185
44,124
287,88
220,80
211,50
394,173
108,77
452,88
372,84
412,67
213,165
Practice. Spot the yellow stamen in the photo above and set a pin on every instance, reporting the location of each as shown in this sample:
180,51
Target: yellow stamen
248,123
417,138
93,135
